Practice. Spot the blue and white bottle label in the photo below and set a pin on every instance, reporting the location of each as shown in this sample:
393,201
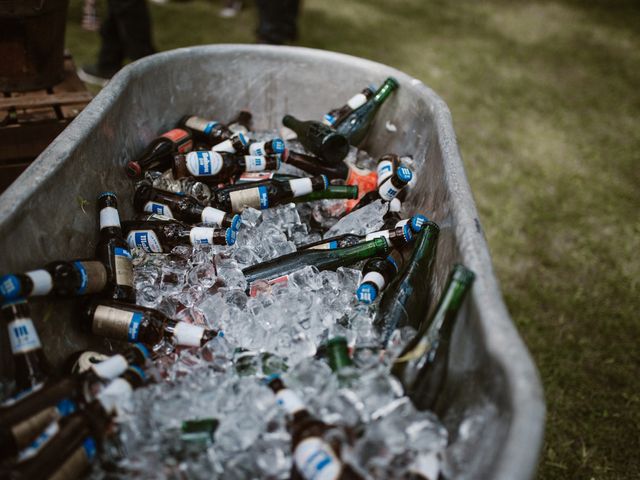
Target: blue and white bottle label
256,197
203,163
384,170
158,209
387,191
115,323
23,336
315,459
255,163
147,240
124,267
201,236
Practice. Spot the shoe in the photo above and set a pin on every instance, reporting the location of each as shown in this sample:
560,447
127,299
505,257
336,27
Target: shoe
93,75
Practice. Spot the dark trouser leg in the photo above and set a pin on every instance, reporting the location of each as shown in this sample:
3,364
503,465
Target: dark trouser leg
111,52
278,20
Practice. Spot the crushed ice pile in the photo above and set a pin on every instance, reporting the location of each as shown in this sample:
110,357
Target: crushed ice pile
278,331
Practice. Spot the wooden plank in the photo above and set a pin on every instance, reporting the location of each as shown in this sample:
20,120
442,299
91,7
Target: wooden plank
27,141
65,98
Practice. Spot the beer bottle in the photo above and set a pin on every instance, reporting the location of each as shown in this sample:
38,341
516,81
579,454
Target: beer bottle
319,139
387,164
406,301
241,122
422,364
134,323
315,445
315,165
416,223
333,192
31,367
80,277
337,352
357,123
267,194
395,237
271,147
237,143
216,167
376,274
337,115
113,252
388,189
23,418
181,207
199,431
249,177
208,131
277,270
158,154
162,236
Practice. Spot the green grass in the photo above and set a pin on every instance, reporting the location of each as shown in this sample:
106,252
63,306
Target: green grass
546,104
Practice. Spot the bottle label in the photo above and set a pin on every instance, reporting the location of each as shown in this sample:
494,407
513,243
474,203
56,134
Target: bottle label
251,197
42,282
255,163
201,236
23,336
387,191
254,177
178,136
42,439
124,267
333,244
376,279
109,217
77,463
315,459
25,431
226,146
379,234
93,277
187,334
204,163
147,240
114,393
158,209
110,368
365,180
289,401
257,148
384,170
262,286
115,323
212,215
200,124
301,186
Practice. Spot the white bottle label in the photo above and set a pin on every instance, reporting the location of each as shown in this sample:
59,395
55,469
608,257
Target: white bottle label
357,101
387,191
380,234
289,401
109,217
226,146
115,323
212,215
257,148
111,368
251,197
42,282
23,336
158,209
42,439
200,124
124,267
147,240
376,279
201,236
301,186
255,163
117,391
384,170
204,163
316,460
188,335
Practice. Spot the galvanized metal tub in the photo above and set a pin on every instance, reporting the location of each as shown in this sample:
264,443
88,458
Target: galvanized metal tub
495,407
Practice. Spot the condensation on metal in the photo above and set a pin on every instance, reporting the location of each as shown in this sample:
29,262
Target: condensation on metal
44,215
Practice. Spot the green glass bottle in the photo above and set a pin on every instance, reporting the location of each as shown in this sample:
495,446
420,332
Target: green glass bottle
422,364
333,192
356,125
199,431
405,301
277,270
319,139
338,354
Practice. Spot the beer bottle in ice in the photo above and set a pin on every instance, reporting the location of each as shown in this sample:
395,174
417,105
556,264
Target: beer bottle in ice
319,139
113,251
388,189
208,131
216,167
161,236
158,154
335,116
395,237
377,273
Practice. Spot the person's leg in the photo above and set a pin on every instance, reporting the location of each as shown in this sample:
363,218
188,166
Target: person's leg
134,27
111,52
277,21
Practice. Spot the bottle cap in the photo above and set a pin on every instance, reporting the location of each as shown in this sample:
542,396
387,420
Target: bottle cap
417,222
236,221
462,274
133,170
9,287
278,145
407,233
367,293
404,174
230,236
392,81
326,181
107,194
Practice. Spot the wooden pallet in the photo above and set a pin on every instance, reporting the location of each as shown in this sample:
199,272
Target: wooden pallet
29,121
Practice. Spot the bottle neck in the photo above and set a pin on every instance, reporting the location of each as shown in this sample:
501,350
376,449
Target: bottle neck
383,93
338,353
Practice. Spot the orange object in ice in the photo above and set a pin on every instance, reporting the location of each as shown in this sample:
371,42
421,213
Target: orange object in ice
366,180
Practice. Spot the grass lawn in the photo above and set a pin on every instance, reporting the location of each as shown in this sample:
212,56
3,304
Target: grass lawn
545,97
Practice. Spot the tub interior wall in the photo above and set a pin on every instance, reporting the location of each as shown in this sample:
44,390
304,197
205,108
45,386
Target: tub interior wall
59,220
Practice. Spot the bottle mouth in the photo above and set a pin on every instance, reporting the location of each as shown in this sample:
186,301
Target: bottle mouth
463,274
133,170
334,148
107,194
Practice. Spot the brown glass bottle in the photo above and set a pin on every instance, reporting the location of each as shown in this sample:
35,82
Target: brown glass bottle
214,168
161,236
158,154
